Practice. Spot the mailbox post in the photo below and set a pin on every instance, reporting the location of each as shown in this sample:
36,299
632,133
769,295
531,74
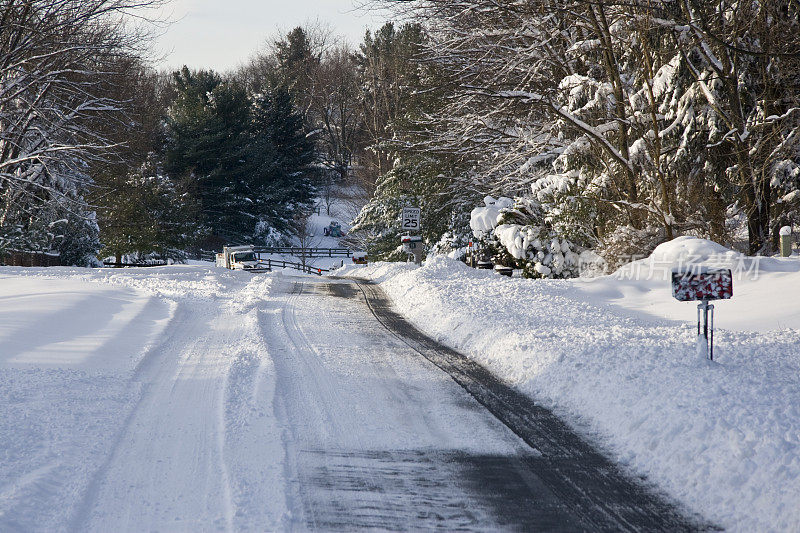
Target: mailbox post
706,309
412,245
786,241
703,285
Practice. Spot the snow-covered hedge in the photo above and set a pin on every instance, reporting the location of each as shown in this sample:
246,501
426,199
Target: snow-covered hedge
514,233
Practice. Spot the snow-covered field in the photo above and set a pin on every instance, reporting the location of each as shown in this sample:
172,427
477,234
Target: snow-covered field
616,355
316,238
112,382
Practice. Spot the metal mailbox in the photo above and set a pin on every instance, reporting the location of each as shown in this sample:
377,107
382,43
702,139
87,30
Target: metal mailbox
704,285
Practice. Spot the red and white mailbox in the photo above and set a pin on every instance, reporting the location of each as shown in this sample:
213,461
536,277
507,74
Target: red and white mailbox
704,285
696,285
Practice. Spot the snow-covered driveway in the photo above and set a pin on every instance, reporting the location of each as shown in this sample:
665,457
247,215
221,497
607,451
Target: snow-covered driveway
195,399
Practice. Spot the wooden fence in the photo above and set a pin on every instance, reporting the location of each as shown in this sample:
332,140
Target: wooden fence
310,253
270,263
29,259
138,265
298,251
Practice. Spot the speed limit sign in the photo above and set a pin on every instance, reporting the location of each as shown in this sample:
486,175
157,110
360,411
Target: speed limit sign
410,219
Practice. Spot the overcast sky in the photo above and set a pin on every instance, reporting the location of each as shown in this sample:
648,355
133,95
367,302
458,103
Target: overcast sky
221,34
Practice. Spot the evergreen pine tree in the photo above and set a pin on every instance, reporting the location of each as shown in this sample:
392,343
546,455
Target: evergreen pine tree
248,157
147,213
207,133
278,160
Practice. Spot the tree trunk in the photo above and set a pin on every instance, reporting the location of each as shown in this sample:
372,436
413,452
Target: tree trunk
756,192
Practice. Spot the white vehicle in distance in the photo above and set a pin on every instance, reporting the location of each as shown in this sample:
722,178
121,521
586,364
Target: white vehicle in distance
240,258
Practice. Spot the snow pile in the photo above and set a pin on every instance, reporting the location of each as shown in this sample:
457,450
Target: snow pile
688,250
617,356
483,220
765,290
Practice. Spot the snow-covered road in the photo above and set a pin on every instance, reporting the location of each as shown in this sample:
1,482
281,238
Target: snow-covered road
174,465
275,402
374,433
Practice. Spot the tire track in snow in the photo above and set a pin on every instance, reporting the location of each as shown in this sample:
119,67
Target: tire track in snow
252,436
325,397
221,432
167,468
143,373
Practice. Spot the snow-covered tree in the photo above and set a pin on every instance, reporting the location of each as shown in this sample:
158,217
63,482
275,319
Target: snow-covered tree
146,214
655,118
57,61
247,156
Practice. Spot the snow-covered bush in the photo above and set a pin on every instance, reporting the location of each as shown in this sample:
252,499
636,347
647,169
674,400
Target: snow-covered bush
786,183
484,219
626,244
267,235
453,244
78,238
67,228
515,233
569,206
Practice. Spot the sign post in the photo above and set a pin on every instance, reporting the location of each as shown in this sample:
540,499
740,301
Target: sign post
786,241
412,244
703,285
410,221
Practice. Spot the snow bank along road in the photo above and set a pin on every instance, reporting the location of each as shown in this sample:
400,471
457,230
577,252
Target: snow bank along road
616,357
195,399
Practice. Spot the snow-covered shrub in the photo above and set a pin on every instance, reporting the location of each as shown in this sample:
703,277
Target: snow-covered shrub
626,244
67,229
568,206
518,235
485,218
78,240
453,244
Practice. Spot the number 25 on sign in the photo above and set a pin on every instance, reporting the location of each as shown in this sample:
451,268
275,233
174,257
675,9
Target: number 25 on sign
410,218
